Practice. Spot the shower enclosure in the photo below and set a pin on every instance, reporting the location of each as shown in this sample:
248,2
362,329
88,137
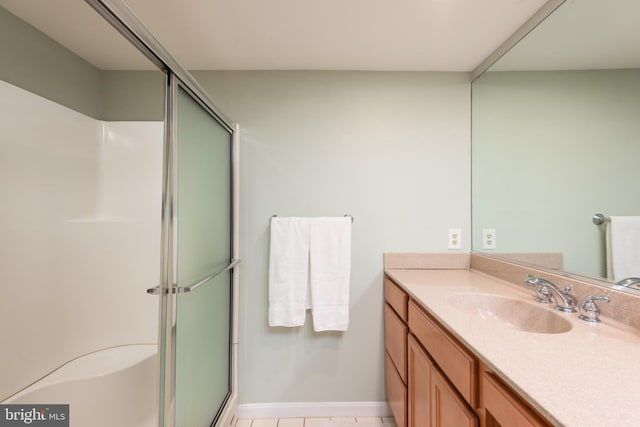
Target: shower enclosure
118,235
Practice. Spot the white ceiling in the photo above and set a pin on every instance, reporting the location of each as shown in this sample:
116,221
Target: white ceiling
429,35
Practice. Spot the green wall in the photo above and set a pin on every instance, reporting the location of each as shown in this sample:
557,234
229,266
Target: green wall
34,62
37,63
133,95
393,150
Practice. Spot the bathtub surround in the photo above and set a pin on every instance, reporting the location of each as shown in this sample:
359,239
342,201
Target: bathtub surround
81,208
103,238
392,149
122,379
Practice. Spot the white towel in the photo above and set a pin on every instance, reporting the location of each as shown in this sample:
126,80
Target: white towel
329,272
288,271
623,247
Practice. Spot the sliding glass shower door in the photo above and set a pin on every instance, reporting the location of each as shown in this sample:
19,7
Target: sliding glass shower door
196,348
202,252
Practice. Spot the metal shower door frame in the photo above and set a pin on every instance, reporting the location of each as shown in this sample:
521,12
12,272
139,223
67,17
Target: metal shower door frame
170,258
118,14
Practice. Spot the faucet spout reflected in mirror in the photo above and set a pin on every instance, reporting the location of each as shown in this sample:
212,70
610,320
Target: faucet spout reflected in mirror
628,282
547,292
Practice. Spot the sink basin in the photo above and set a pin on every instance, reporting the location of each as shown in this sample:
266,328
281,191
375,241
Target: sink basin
514,313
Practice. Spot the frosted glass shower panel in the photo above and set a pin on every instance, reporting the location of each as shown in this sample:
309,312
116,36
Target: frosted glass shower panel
204,192
202,352
203,316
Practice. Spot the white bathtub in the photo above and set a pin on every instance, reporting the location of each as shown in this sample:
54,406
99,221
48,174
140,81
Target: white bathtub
108,388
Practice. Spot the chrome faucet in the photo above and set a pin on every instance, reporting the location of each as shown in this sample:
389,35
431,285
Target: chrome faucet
589,310
628,282
548,291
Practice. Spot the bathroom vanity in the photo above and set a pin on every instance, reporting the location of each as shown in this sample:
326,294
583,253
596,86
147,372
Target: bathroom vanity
463,348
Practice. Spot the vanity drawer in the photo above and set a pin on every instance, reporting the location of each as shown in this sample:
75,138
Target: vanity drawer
396,392
503,407
457,363
396,298
395,340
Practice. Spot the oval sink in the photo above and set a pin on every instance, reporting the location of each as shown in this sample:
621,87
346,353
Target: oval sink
514,313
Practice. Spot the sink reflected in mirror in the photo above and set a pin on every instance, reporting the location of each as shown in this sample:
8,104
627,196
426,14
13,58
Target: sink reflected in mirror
514,313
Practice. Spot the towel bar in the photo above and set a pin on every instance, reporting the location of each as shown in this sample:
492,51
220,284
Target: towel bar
599,219
349,215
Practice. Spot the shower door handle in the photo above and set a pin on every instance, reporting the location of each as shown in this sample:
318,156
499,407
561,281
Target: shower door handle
196,285
156,290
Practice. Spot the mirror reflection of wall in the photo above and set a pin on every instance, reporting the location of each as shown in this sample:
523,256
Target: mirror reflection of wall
556,136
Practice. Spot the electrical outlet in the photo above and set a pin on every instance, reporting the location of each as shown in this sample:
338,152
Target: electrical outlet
488,238
455,238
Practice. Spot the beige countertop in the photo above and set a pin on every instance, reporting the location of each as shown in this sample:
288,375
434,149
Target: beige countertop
586,377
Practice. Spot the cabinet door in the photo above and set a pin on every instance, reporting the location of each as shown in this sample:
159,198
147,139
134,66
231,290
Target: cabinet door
504,408
447,408
419,384
396,392
457,363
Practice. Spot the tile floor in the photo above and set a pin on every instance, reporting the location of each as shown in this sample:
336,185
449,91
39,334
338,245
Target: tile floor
314,422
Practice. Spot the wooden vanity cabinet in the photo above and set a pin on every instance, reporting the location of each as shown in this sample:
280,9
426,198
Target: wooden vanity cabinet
503,408
419,400
458,364
433,380
395,344
432,400
442,376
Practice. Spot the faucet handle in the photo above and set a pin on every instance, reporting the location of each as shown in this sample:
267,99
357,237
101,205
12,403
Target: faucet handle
589,310
543,295
569,301
532,280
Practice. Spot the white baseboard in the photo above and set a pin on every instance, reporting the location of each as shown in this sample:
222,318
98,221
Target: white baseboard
313,409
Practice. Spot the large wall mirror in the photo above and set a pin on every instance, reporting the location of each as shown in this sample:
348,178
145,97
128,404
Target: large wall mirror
556,139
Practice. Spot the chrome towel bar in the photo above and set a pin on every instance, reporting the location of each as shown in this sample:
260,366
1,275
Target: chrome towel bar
599,219
346,215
